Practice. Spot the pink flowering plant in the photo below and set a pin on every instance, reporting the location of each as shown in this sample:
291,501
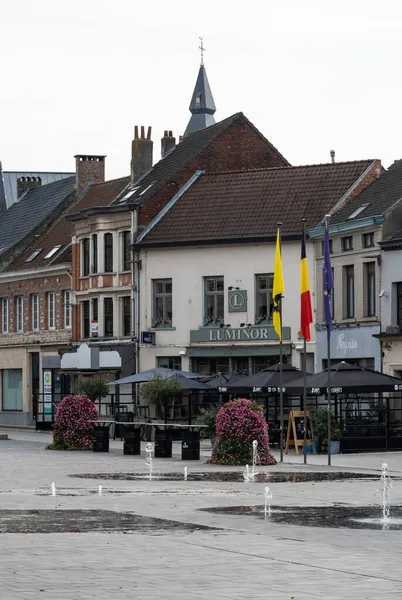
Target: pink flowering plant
238,424
73,428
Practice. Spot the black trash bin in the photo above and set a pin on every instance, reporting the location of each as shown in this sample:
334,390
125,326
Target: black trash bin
163,443
101,439
190,445
132,442
120,429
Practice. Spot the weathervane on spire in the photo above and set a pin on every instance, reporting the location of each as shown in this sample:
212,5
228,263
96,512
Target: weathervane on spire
201,47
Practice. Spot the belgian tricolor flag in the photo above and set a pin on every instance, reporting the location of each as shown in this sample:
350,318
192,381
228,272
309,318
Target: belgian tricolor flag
306,314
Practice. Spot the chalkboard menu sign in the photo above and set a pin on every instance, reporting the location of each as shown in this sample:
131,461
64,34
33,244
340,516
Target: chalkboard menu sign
295,436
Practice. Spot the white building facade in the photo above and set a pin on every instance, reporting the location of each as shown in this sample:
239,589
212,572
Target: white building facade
209,308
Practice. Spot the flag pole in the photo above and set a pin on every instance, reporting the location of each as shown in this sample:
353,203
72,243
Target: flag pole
304,374
280,363
328,366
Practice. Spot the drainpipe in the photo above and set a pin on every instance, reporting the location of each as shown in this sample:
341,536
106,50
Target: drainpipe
135,291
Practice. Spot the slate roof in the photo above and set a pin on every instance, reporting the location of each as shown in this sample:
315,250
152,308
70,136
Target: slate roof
202,105
176,160
60,232
10,181
379,196
33,210
392,241
246,205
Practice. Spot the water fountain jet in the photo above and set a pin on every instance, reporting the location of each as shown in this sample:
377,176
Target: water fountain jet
267,502
149,448
385,491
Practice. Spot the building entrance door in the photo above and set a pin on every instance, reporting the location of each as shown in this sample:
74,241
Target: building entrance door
35,382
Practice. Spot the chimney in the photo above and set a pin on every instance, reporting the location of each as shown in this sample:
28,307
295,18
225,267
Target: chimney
89,169
332,153
141,153
27,183
180,138
167,142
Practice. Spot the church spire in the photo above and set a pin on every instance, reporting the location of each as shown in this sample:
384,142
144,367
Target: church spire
202,105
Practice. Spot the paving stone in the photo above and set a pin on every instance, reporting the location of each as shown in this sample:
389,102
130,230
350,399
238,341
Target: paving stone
249,558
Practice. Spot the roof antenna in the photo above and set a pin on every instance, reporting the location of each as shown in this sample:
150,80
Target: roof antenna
332,154
201,47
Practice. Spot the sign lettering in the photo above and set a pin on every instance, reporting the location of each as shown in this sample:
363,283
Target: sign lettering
344,345
238,334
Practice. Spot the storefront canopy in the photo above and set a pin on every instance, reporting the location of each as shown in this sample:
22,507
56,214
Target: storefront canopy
266,381
150,373
346,378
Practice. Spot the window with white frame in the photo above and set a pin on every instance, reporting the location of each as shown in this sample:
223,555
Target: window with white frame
35,312
126,239
108,253
19,313
94,265
67,309
85,247
51,310
4,315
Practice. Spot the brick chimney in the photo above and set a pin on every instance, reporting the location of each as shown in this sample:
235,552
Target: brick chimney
167,142
27,183
141,153
89,169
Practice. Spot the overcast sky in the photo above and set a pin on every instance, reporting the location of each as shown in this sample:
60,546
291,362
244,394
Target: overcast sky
77,76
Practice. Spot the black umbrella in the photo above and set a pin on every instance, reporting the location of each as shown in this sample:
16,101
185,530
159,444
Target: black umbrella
265,381
346,378
221,380
191,384
151,373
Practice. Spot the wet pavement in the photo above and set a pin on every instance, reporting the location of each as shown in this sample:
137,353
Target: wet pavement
333,517
172,539
83,521
232,476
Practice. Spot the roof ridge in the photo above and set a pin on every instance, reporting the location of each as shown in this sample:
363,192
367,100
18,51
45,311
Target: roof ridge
71,173
191,135
111,180
288,167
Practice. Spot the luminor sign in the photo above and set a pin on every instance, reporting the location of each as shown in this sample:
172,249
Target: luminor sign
241,334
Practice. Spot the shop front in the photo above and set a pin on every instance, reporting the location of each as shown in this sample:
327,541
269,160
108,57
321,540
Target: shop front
351,344
243,350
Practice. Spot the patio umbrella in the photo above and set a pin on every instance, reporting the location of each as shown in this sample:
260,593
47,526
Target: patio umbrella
267,380
221,380
150,373
346,378
191,384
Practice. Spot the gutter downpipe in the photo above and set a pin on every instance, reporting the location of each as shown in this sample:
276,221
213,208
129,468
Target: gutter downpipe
135,295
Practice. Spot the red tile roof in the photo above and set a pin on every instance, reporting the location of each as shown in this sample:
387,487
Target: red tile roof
60,232
244,205
183,154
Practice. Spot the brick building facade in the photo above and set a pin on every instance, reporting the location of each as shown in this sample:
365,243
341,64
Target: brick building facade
36,309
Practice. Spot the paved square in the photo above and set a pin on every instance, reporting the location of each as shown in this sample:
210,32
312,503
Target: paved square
245,557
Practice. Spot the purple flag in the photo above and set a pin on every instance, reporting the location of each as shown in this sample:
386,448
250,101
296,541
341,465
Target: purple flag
328,283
